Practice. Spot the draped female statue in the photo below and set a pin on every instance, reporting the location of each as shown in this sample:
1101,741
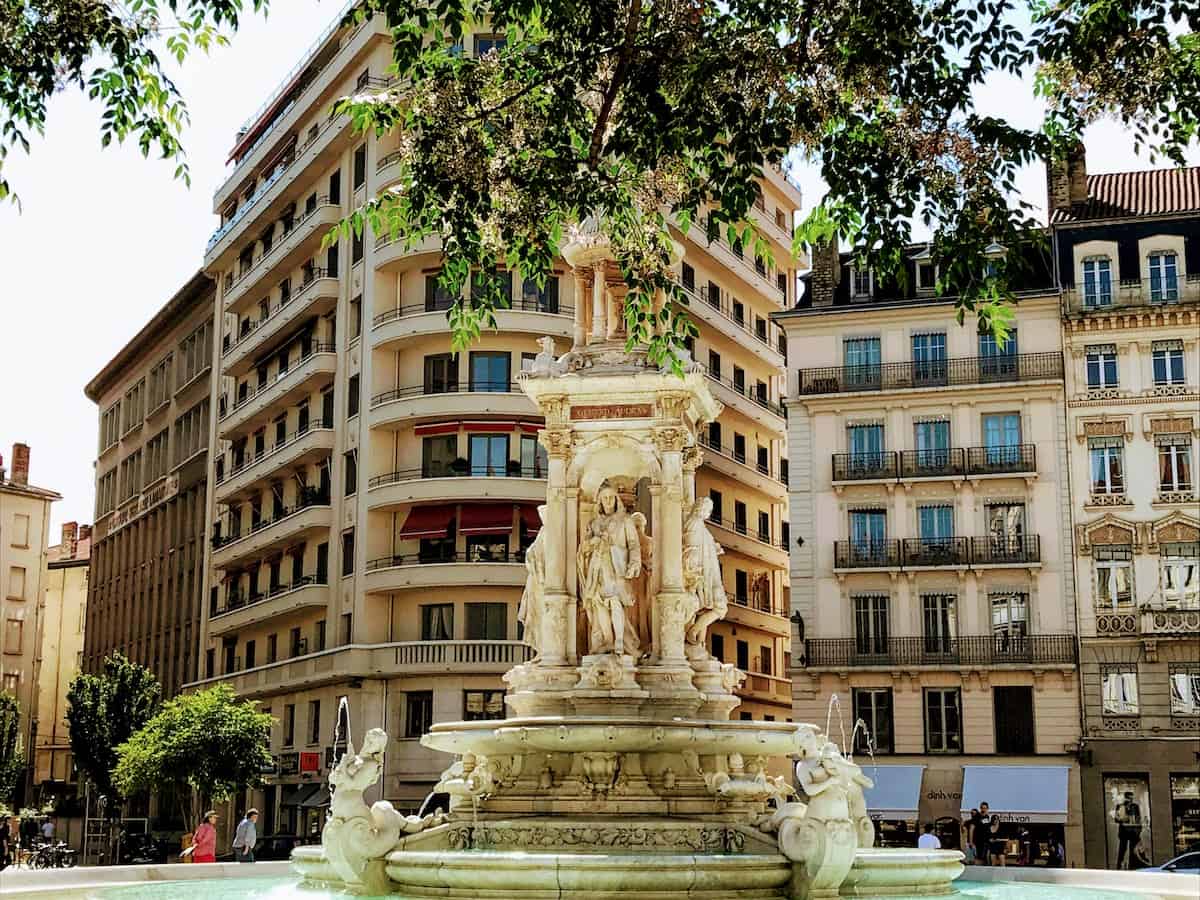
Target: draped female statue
609,564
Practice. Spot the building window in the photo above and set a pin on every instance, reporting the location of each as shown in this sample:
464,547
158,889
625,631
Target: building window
1012,708
873,707
926,276
272,647
14,634
418,713
348,552
1119,686
1097,281
1167,357
289,724
490,371
861,357
351,463
488,455
862,281
939,617
929,358
1164,277
1102,366
865,443
486,43
438,452
688,276
543,299
314,721
717,500
943,720
360,166
437,622
16,583
295,642
487,621
20,531
717,644
871,624
500,281
1174,462
1180,575
935,525
1107,465
352,396
535,461
868,528
479,705
356,246
1114,576
1185,689
1010,616
250,654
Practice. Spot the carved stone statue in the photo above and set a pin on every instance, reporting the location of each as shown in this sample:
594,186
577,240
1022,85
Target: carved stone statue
357,835
533,600
609,564
702,577
643,601
546,363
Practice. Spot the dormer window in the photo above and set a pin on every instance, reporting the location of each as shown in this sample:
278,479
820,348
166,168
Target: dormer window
862,281
926,272
992,255
1097,282
1164,277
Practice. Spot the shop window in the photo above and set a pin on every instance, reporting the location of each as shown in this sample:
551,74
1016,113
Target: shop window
1127,800
418,713
1013,712
943,720
479,705
1119,686
873,707
437,622
1185,815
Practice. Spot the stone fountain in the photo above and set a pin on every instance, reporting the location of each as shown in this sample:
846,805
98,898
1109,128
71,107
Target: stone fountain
618,772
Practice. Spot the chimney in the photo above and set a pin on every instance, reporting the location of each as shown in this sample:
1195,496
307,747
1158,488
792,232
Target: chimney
85,533
1,468
70,533
826,273
1066,180
20,464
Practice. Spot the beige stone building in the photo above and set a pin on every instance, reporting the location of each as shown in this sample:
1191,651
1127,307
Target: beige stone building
932,584
146,575
24,535
373,493
64,612
1127,247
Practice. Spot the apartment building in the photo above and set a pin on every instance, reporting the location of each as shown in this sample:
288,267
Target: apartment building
932,581
374,493
64,611
1127,250
146,579
24,535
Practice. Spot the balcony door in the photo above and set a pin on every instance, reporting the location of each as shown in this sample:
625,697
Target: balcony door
929,358
862,359
997,362
438,452
933,445
1006,530
871,625
1002,438
490,371
939,623
489,455
441,373
865,443
868,529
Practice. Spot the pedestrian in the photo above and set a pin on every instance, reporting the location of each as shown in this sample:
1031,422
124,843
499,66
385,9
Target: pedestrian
929,840
246,837
5,841
981,834
48,831
204,841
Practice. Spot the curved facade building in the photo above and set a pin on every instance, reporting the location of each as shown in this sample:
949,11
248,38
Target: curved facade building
373,493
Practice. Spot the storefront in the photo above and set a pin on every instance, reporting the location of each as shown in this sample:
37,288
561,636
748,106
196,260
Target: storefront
1185,813
893,803
1029,807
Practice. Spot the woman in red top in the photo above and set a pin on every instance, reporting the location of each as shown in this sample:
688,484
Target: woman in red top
204,841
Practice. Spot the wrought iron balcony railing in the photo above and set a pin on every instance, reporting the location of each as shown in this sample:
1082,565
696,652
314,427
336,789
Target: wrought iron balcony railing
950,372
990,550
949,462
939,650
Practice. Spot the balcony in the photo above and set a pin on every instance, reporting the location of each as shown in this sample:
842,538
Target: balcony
1166,622
764,615
735,465
302,446
974,370
924,553
975,650
766,689
517,484
395,326
717,311
407,571
401,406
391,660
256,339
297,243
259,405
748,402
749,542
283,600
309,517
753,272
953,462
394,255
1133,294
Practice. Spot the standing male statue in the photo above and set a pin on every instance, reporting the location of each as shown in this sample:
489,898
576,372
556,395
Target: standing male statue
702,577
609,563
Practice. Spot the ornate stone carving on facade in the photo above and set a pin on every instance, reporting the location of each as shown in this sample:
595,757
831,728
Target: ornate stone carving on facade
1104,426
1174,423
557,442
674,406
1175,528
1108,529
669,440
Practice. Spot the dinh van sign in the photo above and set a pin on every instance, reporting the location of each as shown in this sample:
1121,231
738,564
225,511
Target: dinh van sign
612,411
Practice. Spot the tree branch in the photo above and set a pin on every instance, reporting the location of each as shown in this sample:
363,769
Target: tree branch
614,86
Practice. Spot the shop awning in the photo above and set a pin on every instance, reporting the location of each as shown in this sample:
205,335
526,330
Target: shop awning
438,428
1018,793
485,519
317,798
529,515
427,522
897,791
296,794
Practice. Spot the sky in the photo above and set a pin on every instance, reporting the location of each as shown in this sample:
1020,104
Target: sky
104,237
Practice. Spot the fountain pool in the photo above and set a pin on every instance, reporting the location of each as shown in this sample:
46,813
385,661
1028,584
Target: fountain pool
289,888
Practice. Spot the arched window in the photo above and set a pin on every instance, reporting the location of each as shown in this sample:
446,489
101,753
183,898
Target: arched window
1164,277
1097,281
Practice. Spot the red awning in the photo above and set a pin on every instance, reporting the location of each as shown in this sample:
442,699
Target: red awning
531,427
428,522
485,519
438,428
489,427
530,517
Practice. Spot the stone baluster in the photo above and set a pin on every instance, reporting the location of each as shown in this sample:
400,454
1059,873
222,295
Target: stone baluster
599,313
581,307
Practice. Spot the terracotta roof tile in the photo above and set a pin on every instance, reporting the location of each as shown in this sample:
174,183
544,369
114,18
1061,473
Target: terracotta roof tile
1123,195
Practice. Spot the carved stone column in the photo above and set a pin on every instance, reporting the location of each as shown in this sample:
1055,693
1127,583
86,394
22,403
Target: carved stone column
671,600
554,648
581,308
599,313
692,459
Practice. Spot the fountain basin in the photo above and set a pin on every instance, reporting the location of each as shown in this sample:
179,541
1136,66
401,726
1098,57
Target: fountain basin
902,872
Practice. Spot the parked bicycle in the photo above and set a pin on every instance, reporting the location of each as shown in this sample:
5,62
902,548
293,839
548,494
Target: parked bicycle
53,856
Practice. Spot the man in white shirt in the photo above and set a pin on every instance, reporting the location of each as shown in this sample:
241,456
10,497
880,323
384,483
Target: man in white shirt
929,840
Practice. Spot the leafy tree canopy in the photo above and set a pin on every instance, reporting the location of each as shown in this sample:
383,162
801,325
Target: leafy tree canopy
104,710
115,51
645,114
208,741
12,758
